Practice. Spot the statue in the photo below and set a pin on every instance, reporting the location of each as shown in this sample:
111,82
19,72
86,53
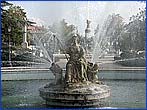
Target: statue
78,70
76,67
88,23
57,71
80,86
92,72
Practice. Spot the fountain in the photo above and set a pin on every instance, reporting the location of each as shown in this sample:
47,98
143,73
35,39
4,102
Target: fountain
79,87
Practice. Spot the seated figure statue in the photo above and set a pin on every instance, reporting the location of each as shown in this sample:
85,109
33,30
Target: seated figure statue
76,67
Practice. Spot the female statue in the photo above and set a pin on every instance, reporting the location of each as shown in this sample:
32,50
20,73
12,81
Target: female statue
76,67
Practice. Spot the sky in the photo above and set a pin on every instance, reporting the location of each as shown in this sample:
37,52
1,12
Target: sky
77,12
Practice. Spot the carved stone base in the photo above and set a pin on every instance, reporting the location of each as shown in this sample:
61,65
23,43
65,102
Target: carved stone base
78,95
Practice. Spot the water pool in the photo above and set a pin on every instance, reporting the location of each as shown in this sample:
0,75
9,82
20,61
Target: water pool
124,93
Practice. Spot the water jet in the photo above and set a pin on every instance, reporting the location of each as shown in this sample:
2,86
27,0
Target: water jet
79,87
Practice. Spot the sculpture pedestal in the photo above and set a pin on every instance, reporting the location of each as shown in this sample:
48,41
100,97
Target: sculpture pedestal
79,95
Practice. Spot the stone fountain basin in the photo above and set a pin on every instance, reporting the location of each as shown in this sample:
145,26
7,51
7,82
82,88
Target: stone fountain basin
82,95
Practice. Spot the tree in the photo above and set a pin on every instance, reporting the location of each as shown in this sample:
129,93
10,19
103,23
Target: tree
14,18
109,34
126,37
135,32
63,30
13,21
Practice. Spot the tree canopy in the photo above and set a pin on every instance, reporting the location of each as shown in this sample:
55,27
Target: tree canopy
123,36
13,20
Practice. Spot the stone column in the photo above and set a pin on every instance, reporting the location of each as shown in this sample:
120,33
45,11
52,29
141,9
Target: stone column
87,34
25,43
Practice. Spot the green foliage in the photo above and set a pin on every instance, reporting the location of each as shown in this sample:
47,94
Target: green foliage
13,18
124,36
64,30
109,34
13,21
133,36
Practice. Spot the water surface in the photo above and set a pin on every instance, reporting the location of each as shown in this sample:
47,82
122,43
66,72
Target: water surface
124,93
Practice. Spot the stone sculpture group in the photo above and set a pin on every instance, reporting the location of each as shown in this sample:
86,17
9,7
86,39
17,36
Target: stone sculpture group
78,70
